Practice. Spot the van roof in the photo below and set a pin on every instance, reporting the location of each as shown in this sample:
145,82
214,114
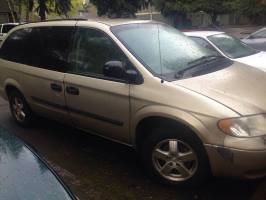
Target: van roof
108,22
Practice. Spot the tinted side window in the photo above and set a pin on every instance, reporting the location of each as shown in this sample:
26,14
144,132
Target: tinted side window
43,47
56,43
23,46
7,27
91,50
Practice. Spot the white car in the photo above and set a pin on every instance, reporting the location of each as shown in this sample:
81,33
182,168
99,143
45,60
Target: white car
5,28
257,39
230,47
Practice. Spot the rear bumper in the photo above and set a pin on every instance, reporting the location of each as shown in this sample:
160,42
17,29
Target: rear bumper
236,163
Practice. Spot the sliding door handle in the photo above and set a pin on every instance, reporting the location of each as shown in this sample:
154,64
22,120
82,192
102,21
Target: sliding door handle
72,90
56,87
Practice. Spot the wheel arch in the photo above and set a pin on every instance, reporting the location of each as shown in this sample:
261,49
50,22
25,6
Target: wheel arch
165,116
10,84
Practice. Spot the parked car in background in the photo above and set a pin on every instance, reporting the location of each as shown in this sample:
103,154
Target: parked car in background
23,174
230,47
5,28
187,111
257,39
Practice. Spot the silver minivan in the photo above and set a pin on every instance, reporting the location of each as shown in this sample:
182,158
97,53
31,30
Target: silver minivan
189,112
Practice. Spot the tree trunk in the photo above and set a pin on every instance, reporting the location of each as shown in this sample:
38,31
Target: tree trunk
214,19
11,10
42,10
29,7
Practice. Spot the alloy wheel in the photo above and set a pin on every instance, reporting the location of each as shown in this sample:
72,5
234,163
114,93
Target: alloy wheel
175,160
18,109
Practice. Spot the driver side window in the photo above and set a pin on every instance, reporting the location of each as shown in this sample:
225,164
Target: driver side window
91,50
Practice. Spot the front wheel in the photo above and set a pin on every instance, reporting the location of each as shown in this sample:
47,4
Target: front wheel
175,158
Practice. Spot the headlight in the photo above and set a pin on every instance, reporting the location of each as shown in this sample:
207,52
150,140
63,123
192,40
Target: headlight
249,126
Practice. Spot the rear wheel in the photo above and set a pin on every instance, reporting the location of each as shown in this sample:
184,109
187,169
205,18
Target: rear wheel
175,158
19,108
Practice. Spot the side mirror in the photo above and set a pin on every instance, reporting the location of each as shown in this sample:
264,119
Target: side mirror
251,37
131,76
114,69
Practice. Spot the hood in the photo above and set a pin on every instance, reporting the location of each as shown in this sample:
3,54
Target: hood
239,87
23,175
256,60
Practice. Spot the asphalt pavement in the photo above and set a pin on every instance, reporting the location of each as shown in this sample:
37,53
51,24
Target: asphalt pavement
97,169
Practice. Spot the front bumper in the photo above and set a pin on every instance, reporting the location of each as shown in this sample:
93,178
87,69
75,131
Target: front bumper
231,162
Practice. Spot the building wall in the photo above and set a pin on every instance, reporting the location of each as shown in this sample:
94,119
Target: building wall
5,15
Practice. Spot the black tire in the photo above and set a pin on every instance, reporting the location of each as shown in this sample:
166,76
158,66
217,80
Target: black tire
26,121
201,170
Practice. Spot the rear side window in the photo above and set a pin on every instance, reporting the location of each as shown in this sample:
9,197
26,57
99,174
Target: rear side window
7,28
43,47
56,43
22,46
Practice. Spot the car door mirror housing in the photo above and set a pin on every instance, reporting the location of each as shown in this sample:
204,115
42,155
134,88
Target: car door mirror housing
132,76
117,69
251,37
114,69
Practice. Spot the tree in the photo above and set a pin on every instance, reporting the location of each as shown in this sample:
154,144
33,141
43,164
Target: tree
117,8
253,8
212,7
169,7
61,7
176,9
182,7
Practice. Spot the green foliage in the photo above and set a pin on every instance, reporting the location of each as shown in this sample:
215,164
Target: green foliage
169,7
61,7
212,7
43,7
249,8
252,8
117,8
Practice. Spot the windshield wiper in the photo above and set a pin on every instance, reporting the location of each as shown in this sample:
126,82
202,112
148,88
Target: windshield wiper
203,60
197,63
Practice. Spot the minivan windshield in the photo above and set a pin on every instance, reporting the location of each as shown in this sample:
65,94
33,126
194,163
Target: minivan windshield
163,50
231,46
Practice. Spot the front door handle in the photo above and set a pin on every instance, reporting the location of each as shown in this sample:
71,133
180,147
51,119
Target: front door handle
72,90
56,87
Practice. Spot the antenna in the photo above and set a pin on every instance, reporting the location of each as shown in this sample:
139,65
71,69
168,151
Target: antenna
161,75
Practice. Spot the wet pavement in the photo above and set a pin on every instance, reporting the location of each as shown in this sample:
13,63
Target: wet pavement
96,169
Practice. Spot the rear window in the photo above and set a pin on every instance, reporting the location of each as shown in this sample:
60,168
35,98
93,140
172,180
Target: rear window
42,47
8,27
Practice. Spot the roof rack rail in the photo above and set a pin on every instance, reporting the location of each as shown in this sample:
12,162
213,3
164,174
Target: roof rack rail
54,20
66,19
